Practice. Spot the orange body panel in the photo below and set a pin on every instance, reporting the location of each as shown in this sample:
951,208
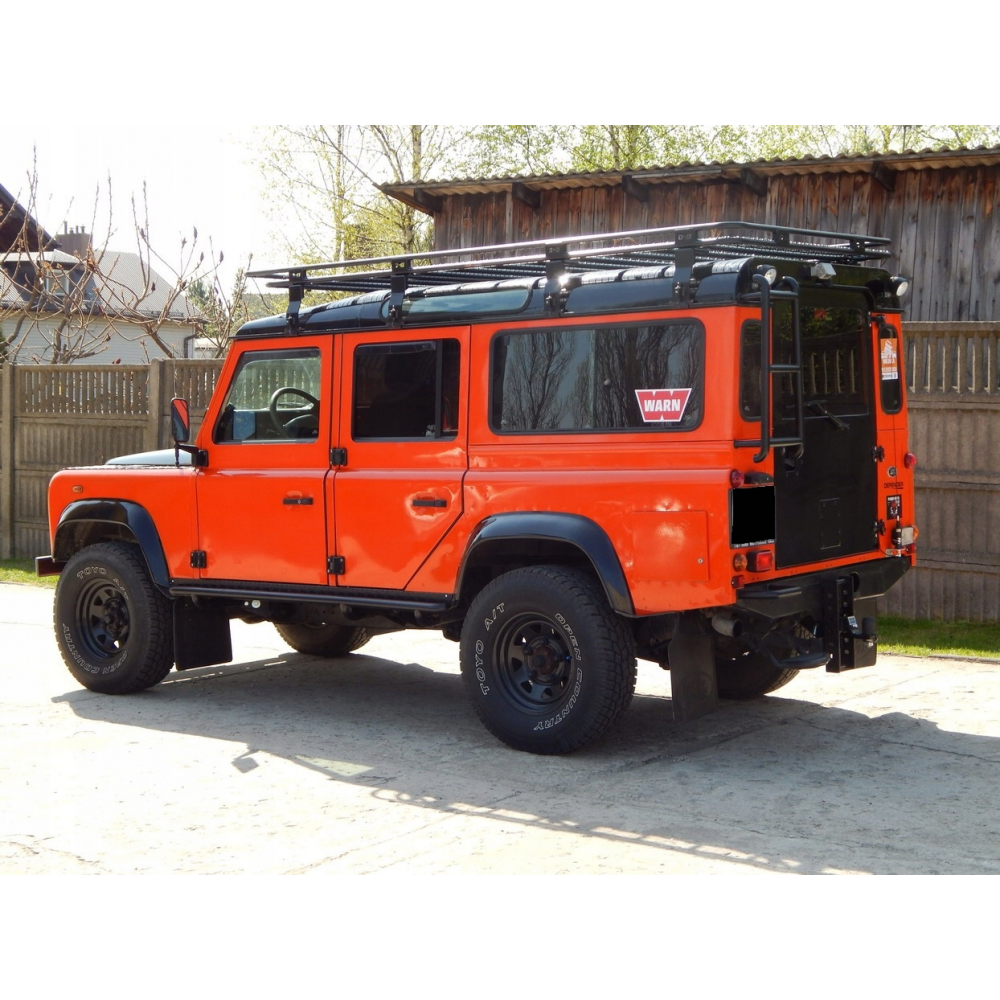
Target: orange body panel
168,494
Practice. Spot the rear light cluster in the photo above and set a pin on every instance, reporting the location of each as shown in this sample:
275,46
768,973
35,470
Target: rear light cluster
754,561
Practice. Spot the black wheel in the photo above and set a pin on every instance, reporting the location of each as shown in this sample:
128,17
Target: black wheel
742,675
549,667
323,639
113,626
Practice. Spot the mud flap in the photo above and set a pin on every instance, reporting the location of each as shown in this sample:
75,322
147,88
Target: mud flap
693,687
201,636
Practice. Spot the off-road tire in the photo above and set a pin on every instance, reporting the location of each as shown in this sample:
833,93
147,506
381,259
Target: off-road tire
323,640
747,676
548,666
113,627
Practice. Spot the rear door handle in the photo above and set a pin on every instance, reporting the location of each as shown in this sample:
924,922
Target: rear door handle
435,502
297,501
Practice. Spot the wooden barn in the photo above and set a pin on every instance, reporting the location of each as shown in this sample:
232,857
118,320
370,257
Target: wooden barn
941,210
937,207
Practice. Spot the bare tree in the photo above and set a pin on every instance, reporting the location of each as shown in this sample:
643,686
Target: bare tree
227,308
60,304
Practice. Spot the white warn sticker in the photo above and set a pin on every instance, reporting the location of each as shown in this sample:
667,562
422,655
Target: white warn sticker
665,406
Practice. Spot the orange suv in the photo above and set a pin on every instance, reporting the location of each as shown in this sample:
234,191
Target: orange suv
686,445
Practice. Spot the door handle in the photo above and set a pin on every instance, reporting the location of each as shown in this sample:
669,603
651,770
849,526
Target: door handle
297,501
435,502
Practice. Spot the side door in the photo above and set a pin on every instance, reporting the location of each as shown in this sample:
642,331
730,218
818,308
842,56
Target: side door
404,429
261,508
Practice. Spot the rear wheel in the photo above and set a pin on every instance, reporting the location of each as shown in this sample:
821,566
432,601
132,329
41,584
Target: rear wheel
323,639
548,666
114,628
746,675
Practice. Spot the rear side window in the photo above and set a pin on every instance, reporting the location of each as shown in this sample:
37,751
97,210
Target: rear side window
631,377
406,390
891,386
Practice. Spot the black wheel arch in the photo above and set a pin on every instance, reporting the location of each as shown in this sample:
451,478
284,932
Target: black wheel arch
86,522
507,541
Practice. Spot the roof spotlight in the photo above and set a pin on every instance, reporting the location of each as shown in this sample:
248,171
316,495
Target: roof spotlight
899,285
768,272
822,271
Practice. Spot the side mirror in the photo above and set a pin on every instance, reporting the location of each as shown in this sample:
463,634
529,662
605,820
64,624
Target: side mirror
180,420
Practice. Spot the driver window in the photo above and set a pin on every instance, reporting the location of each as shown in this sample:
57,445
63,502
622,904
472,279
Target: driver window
274,396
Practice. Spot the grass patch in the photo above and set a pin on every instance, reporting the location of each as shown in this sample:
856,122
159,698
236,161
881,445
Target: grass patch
924,637
23,571
919,637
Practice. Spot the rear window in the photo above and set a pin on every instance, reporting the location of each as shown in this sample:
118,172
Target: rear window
835,356
635,377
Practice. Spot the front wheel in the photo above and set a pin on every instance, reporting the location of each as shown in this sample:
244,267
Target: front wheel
114,628
548,665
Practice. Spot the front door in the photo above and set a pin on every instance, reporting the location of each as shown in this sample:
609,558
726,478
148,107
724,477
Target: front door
261,509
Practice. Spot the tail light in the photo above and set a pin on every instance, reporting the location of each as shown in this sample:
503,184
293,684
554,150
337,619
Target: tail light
761,561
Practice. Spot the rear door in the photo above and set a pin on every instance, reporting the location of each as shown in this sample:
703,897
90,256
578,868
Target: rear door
826,498
404,429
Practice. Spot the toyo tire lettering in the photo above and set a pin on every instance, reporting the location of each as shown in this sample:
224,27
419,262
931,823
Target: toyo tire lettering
113,627
548,666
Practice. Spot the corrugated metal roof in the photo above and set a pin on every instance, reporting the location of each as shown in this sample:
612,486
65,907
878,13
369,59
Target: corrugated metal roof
422,195
49,257
131,285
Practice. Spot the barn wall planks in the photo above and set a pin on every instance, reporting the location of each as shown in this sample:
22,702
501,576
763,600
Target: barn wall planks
942,222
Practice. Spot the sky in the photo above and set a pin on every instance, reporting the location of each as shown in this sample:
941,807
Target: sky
200,177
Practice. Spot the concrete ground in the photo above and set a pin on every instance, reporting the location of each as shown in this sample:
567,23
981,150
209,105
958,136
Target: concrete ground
281,762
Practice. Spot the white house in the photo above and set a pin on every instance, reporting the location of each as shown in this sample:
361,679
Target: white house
63,301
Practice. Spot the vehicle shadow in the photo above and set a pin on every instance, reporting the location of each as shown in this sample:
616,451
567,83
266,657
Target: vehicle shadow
776,784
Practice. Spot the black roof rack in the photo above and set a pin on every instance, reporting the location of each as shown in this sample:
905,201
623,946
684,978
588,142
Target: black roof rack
678,245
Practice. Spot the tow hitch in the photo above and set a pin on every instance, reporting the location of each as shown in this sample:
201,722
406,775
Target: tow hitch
849,644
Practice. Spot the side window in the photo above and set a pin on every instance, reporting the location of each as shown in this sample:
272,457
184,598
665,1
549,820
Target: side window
613,378
404,391
274,396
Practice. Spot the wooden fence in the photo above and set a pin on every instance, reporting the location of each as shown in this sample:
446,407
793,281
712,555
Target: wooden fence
53,416
56,416
953,380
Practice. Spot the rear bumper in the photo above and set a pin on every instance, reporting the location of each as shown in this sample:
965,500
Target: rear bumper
837,600
801,595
